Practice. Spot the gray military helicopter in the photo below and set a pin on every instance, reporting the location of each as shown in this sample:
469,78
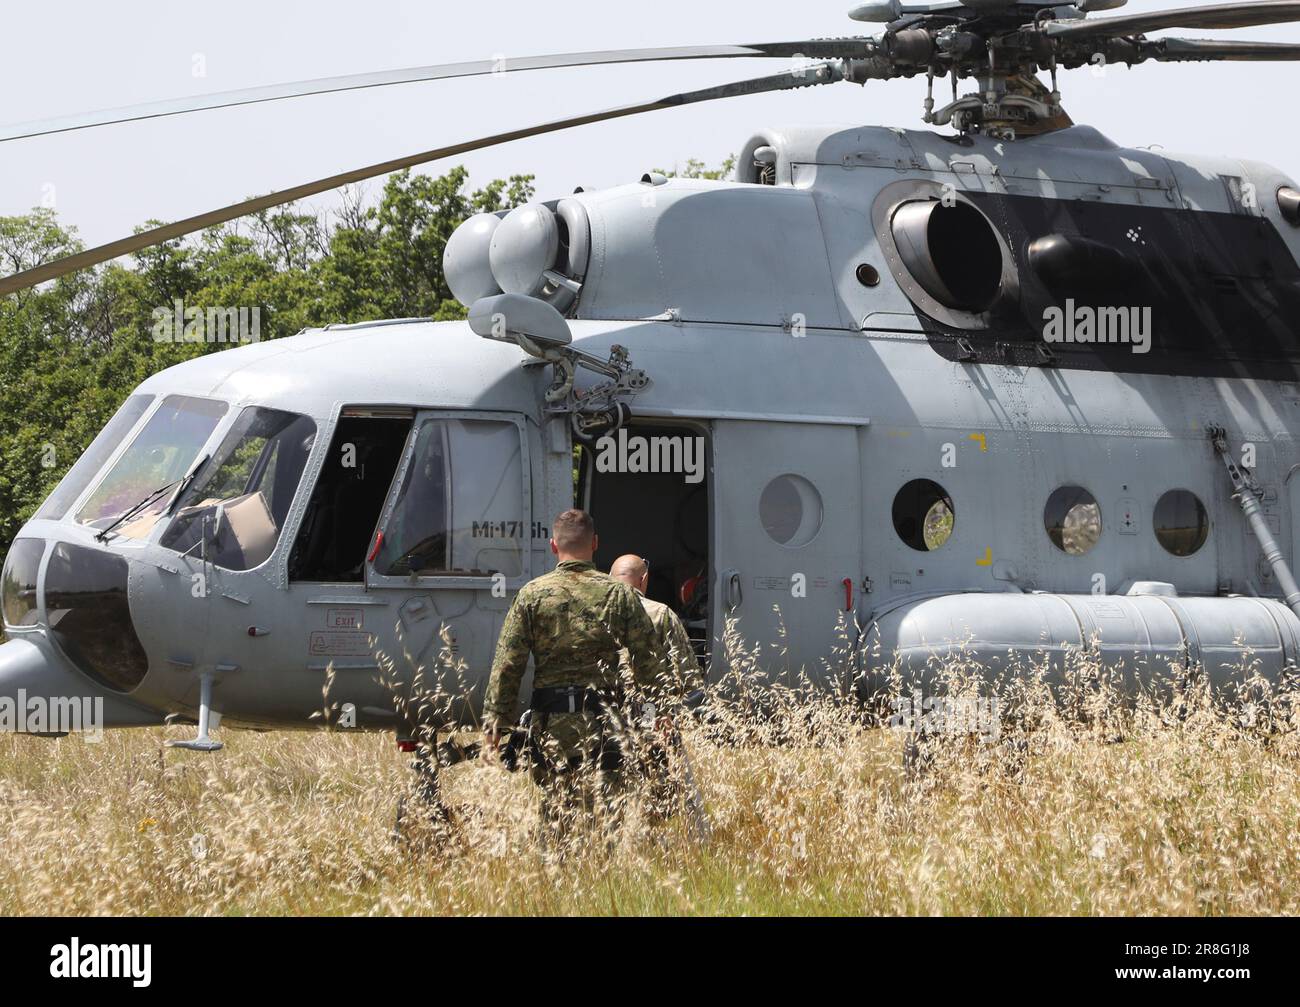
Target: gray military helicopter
997,384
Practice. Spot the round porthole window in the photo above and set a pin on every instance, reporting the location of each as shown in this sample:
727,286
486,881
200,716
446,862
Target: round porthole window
1181,524
790,510
923,515
1073,520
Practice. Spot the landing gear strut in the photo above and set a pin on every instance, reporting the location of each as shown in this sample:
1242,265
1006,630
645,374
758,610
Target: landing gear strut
424,801
1246,491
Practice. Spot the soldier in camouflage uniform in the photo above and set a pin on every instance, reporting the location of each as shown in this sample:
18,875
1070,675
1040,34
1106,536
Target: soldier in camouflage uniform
663,793
574,621
673,641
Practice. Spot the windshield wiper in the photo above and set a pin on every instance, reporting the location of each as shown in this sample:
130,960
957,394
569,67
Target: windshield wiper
185,485
184,481
153,495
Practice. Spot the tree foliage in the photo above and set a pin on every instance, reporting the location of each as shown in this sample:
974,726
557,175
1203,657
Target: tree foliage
698,169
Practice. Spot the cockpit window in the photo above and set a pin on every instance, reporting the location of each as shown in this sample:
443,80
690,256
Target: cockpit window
242,495
460,508
160,456
93,458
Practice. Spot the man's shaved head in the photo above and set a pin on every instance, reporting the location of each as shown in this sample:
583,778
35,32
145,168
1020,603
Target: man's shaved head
631,569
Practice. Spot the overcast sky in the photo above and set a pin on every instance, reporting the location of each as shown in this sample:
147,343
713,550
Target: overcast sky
68,56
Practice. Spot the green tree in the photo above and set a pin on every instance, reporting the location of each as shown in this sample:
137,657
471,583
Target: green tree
698,169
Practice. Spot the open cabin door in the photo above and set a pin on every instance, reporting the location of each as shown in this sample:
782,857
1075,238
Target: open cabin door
787,532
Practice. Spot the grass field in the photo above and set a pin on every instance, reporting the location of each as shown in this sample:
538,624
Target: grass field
1084,805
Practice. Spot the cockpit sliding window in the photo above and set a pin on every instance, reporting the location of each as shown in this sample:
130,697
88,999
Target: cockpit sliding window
160,456
240,498
460,510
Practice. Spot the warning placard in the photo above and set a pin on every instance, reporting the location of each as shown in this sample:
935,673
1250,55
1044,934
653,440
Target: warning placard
340,643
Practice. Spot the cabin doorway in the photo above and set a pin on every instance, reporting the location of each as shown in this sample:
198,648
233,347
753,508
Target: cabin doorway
648,489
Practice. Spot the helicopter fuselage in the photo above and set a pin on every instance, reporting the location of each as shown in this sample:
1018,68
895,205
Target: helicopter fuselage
902,453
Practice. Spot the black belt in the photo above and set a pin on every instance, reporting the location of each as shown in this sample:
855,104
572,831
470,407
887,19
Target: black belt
571,699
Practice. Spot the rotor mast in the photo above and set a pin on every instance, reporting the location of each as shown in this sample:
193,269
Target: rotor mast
987,41
1003,44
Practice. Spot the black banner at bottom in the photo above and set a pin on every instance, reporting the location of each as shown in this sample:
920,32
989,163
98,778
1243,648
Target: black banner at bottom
488,957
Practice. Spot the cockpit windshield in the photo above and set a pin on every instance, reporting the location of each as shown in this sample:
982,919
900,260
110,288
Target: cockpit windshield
93,458
161,454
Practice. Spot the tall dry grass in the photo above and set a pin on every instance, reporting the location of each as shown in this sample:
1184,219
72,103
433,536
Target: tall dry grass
1185,801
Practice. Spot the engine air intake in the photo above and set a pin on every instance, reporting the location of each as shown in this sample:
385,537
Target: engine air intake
952,251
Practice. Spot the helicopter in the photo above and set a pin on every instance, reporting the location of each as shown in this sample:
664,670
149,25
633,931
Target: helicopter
997,386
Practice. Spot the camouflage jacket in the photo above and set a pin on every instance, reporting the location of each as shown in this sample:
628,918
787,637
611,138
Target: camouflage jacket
679,656
573,620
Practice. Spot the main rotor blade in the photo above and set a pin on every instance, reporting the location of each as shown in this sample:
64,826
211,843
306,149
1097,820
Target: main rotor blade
1237,15
812,49
1177,50
823,73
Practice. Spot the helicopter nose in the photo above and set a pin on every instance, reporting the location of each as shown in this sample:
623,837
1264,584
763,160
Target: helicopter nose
33,677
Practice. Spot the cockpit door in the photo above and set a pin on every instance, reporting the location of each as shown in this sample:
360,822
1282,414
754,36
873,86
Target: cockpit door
454,541
459,514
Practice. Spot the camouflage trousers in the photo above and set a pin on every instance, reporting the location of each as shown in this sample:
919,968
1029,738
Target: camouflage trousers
579,766
587,772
